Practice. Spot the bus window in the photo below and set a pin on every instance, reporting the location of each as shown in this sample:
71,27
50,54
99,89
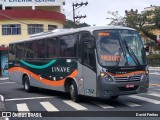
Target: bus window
12,51
39,49
88,55
51,47
68,46
19,50
83,36
28,50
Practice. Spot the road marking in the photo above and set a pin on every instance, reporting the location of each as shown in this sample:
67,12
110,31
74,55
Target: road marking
22,107
74,105
31,98
154,94
2,98
130,104
103,105
48,106
145,99
7,82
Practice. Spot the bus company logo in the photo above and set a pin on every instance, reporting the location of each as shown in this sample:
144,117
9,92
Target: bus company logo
61,69
129,78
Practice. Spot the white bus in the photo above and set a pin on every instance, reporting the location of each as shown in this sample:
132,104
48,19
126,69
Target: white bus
90,61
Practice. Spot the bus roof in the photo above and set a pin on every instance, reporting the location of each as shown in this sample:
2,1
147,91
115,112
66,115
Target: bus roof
58,32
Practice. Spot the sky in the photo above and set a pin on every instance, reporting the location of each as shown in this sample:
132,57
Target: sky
96,10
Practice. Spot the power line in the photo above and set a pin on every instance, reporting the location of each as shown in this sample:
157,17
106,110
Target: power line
75,7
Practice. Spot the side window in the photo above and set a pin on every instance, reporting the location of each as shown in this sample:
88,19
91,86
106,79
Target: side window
51,47
19,50
88,55
39,49
68,45
29,50
12,51
82,37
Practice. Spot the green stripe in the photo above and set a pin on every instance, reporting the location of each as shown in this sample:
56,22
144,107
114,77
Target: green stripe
36,66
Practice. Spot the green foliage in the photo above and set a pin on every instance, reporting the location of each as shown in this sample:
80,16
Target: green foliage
70,24
145,22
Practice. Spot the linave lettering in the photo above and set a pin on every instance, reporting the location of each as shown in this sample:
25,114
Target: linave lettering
61,69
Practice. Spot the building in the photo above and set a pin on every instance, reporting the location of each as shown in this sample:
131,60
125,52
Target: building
21,18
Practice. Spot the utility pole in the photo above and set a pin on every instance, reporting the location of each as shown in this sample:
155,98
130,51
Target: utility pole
78,5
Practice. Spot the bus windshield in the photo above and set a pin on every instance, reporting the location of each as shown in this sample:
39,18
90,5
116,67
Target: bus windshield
119,48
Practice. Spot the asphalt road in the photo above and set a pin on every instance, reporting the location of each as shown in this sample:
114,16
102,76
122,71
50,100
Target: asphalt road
16,99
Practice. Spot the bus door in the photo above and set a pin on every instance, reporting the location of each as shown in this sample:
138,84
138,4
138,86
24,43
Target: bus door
88,68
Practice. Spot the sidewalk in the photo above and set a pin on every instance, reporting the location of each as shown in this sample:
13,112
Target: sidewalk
4,78
154,68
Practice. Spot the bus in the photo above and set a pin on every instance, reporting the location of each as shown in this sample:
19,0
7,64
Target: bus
94,61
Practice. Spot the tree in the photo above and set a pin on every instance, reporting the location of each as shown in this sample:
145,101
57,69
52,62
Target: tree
144,22
116,19
70,24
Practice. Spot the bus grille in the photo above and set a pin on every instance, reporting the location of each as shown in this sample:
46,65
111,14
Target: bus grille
128,78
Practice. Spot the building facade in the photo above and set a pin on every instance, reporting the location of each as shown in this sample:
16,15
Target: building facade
19,19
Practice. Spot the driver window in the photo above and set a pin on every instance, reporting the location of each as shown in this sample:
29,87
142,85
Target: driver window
88,55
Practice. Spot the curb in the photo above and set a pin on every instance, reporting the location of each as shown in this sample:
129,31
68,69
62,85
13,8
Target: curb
154,67
4,78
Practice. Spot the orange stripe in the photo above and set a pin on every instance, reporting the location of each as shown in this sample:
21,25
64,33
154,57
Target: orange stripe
43,80
127,74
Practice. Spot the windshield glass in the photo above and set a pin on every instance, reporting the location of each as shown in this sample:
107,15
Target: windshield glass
119,48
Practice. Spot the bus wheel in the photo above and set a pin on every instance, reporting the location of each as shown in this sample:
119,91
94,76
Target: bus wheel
74,92
26,84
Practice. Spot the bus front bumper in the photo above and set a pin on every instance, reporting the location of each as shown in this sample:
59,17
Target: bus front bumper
105,89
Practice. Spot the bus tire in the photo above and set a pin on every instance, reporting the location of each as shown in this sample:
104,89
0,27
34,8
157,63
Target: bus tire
26,84
74,92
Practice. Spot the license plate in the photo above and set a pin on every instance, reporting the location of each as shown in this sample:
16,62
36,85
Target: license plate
129,86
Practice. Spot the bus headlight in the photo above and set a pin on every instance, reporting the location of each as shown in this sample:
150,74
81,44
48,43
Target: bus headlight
106,76
102,74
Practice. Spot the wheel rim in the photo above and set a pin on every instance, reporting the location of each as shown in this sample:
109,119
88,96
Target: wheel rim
72,91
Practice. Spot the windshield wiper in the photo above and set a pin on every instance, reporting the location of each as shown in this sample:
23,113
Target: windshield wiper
131,53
